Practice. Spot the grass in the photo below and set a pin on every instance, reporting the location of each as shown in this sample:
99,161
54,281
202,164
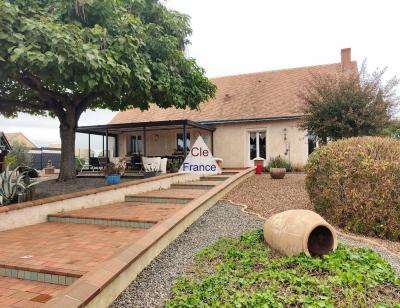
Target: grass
245,273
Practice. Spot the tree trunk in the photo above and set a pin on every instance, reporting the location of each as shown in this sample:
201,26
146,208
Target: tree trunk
67,134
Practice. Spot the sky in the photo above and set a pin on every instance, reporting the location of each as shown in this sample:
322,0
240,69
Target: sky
235,36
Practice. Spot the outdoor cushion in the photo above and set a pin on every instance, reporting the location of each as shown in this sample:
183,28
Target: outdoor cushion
163,166
151,163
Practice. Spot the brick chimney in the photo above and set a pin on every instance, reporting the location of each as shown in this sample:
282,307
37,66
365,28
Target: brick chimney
346,59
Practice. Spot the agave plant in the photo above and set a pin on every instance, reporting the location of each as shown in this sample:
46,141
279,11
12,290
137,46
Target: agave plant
10,183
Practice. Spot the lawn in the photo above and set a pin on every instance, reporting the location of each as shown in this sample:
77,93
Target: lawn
245,273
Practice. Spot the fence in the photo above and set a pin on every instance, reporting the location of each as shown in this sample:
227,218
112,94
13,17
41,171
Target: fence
42,156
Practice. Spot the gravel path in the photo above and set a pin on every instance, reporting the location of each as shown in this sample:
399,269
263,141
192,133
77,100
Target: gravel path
153,285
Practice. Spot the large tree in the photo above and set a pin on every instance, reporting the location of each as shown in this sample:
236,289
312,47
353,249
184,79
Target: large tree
347,104
62,57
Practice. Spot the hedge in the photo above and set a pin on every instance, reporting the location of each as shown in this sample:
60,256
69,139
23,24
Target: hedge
355,184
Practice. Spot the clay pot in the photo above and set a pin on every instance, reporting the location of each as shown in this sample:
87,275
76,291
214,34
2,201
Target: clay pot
295,231
277,173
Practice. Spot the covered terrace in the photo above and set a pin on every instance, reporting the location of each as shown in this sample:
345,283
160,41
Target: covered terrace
150,139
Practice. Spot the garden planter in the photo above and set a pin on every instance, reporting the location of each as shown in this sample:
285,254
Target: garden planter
295,231
113,179
151,174
277,173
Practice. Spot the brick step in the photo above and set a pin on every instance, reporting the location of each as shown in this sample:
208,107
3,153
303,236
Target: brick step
62,249
180,196
150,199
122,214
100,221
229,172
47,275
214,178
196,185
27,293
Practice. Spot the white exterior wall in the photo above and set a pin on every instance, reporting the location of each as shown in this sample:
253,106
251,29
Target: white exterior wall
231,142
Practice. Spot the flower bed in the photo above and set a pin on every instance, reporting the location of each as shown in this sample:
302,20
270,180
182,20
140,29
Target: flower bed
244,272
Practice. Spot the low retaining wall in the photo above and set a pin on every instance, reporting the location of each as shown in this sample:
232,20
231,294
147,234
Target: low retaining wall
34,212
100,287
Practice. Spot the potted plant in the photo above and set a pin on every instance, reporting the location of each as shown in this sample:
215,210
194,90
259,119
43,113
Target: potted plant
174,166
112,172
277,167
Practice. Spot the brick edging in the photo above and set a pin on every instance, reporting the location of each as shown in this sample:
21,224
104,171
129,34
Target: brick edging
18,206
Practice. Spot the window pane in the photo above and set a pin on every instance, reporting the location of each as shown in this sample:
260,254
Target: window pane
253,145
263,145
179,142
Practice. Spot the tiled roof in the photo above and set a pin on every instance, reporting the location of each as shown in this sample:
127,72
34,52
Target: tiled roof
248,96
21,138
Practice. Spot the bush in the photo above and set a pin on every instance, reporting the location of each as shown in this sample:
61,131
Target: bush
355,184
18,156
279,162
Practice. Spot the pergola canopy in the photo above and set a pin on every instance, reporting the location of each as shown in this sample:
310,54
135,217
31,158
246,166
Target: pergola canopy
115,129
112,130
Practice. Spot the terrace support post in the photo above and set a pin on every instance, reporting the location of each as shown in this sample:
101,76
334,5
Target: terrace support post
212,143
89,147
184,141
144,141
102,137
116,146
106,145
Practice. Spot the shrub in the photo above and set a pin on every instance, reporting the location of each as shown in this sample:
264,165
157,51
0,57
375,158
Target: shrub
279,162
355,184
18,156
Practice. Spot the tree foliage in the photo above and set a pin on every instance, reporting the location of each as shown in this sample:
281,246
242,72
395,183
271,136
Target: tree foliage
60,58
347,105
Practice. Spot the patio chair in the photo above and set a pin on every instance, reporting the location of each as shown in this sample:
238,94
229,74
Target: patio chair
103,161
136,162
94,162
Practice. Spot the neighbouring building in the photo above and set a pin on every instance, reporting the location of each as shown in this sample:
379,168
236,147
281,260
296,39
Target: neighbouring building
5,147
253,115
21,138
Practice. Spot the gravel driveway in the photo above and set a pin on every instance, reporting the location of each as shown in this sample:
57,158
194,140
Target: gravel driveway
267,197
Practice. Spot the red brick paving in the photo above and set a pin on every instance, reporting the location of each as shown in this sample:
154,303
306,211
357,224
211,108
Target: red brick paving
132,211
76,248
63,247
174,193
25,293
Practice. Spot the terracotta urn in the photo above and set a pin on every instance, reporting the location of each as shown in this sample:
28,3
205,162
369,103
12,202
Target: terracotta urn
277,173
295,231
